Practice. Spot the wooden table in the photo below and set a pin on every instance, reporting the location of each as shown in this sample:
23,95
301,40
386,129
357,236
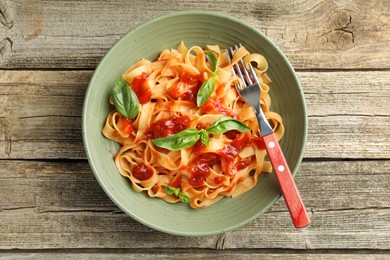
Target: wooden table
51,206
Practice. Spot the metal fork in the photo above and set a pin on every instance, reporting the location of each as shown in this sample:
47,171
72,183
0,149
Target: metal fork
250,92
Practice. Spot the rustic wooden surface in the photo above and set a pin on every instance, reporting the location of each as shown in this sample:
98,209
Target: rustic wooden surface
51,206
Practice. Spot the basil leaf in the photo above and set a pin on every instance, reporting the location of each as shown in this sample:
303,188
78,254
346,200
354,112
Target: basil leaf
184,197
169,189
226,123
208,87
219,120
204,137
176,191
125,100
181,140
212,59
205,92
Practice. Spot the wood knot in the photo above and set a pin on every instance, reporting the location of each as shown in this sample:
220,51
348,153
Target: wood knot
342,28
5,47
5,16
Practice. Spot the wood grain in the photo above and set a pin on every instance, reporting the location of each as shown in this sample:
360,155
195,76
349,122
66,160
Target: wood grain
48,204
343,229
40,184
342,117
314,34
197,254
52,207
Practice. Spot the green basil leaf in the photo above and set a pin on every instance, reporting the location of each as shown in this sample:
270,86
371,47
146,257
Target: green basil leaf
205,92
125,100
176,191
226,123
219,120
169,189
181,140
204,137
208,87
184,197
212,59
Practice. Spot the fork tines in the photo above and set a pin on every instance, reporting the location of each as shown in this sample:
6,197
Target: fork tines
240,70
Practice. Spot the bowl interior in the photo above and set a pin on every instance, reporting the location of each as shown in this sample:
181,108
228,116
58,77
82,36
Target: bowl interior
146,41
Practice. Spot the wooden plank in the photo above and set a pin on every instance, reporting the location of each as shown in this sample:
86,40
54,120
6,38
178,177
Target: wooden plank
313,34
40,184
197,255
346,93
348,137
342,229
40,114
60,205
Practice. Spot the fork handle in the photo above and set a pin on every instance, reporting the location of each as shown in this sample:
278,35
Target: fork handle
286,181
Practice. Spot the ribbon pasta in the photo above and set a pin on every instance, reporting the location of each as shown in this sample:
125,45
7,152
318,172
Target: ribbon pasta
167,88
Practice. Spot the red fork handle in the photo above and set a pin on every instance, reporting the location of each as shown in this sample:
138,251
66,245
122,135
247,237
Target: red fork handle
290,191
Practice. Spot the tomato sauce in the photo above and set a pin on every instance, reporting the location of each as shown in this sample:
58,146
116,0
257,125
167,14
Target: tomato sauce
201,168
241,141
199,172
231,168
231,134
198,147
191,85
259,142
169,126
141,89
142,172
190,94
176,181
216,106
209,158
231,150
125,126
218,180
174,91
242,165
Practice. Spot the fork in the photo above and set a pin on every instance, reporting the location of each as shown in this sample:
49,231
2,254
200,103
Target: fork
250,92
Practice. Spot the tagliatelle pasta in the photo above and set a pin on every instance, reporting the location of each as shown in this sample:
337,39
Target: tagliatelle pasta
228,164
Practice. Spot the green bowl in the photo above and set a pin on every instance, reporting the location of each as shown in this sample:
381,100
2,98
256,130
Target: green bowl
146,41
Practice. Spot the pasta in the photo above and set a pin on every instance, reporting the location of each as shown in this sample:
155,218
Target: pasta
216,165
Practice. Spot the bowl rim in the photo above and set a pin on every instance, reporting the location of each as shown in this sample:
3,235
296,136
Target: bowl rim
102,62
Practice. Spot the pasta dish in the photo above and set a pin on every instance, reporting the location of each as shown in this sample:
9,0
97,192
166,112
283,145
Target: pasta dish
186,135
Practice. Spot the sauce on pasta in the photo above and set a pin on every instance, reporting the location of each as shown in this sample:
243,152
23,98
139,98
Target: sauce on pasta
168,126
228,164
141,89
